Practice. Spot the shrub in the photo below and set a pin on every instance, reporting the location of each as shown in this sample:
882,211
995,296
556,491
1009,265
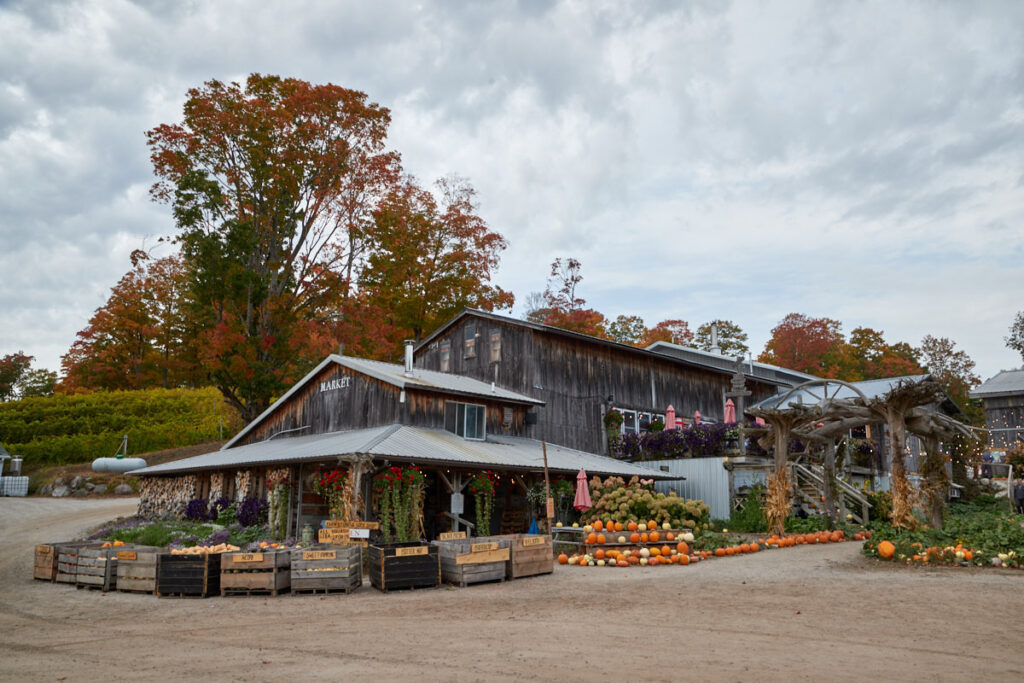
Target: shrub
197,510
252,512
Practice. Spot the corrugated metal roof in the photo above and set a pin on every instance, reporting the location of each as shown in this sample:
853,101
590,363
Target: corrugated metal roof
1006,383
754,369
395,375
403,443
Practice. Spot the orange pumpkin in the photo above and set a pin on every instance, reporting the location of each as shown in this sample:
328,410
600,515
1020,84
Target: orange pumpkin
598,525
720,552
600,554
755,548
652,525
670,537
886,550
591,539
600,539
622,563
744,548
643,538
634,537
563,559
618,526
654,536
655,551
666,551
684,559
631,526
682,548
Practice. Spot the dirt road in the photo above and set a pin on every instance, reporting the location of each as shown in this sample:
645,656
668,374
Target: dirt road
807,613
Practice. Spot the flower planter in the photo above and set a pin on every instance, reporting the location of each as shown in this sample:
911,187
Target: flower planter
474,560
404,565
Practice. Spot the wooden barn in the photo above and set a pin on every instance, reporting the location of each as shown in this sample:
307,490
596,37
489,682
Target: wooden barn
1003,397
580,378
446,424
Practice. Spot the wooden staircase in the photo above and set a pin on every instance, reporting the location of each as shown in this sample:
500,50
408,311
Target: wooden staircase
809,492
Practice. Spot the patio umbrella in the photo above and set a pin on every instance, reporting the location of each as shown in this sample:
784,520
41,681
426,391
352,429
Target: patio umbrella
670,418
730,411
582,500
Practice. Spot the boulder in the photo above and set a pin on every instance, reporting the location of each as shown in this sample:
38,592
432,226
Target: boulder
89,486
99,489
81,493
60,491
45,490
123,490
59,481
77,482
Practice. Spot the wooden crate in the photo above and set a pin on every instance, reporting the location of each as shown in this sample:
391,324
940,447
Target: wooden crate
327,569
136,569
260,573
97,568
45,568
531,554
67,560
404,565
474,560
195,576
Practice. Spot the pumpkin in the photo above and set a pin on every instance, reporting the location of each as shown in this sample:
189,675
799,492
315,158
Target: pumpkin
644,552
683,559
655,551
618,526
591,539
622,563
730,551
643,538
720,552
118,543
755,548
631,526
665,550
634,537
622,539
886,550
563,559
599,554
744,548
652,525
654,536
598,525
670,537
682,548
600,539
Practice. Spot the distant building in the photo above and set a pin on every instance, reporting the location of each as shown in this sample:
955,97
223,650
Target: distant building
1003,397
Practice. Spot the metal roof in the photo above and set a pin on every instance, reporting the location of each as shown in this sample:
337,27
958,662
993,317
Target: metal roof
402,443
395,375
1006,383
872,388
753,369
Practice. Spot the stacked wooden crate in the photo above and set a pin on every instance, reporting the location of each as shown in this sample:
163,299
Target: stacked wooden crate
136,569
262,573
67,559
404,565
327,569
474,560
45,568
531,554
195,576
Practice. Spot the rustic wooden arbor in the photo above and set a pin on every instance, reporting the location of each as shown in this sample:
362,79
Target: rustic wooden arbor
904,408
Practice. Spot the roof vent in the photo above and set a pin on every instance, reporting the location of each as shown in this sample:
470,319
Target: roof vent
408,357
714,339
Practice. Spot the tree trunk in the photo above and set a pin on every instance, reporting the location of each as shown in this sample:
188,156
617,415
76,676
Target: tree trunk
899,487
829,479
936,481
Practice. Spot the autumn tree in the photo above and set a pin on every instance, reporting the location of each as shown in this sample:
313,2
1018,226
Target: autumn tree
431,256
1015,340
142,337
13,367
732,340
805,344
671,331
562,307
268,186
627,329
952,368
868,356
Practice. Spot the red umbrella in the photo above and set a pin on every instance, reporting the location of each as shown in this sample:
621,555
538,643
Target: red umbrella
730,411
582,500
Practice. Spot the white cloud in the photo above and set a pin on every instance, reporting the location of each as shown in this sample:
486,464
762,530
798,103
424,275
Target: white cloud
860,161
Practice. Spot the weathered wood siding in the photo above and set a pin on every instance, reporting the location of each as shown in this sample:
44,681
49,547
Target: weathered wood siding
342,399
1003,412
575,376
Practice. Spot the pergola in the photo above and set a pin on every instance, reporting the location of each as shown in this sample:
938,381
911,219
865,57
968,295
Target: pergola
835,408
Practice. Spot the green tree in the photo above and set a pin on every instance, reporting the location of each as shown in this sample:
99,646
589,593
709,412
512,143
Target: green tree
627,329
732,340
13,367
1015,340
954,369
37,382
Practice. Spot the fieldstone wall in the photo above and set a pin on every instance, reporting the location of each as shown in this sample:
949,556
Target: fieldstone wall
165,496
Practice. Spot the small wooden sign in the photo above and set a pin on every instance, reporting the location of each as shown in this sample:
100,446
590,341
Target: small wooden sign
411,552
373,526
551,508
320,555
44,549
354,541
483,547
127,555
534,540
332,536
336,524
248,557
452,536
499,555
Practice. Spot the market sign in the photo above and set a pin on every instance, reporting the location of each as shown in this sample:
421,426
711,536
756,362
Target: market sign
247,557
452,536
320,555
127,556
412,552
534,540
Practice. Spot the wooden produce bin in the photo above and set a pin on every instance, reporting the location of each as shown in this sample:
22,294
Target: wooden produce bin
195,576
136,569
45,568
404,565
67,559
327,569
97,567
474,560
262,573
531,554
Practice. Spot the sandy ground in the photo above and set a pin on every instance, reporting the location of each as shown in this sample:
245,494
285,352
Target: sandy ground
806,613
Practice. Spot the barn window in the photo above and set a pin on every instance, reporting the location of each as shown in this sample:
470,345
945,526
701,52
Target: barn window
466,420
495,346
469,349
446,356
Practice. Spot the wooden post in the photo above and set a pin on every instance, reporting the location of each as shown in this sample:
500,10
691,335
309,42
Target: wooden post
829,473
298,504
550,506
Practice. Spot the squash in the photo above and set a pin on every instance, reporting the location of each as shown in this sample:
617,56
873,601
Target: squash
886,550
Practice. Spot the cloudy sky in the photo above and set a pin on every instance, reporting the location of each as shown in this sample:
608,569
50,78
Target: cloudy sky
861,161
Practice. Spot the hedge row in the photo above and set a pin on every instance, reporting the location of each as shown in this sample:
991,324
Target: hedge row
64,429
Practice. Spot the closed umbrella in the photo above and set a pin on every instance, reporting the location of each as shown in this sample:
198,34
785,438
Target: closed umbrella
696,417
730,411
582,500
670,418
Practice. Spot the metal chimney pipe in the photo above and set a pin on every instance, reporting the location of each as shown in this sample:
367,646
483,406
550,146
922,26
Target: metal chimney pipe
714,338
408,357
